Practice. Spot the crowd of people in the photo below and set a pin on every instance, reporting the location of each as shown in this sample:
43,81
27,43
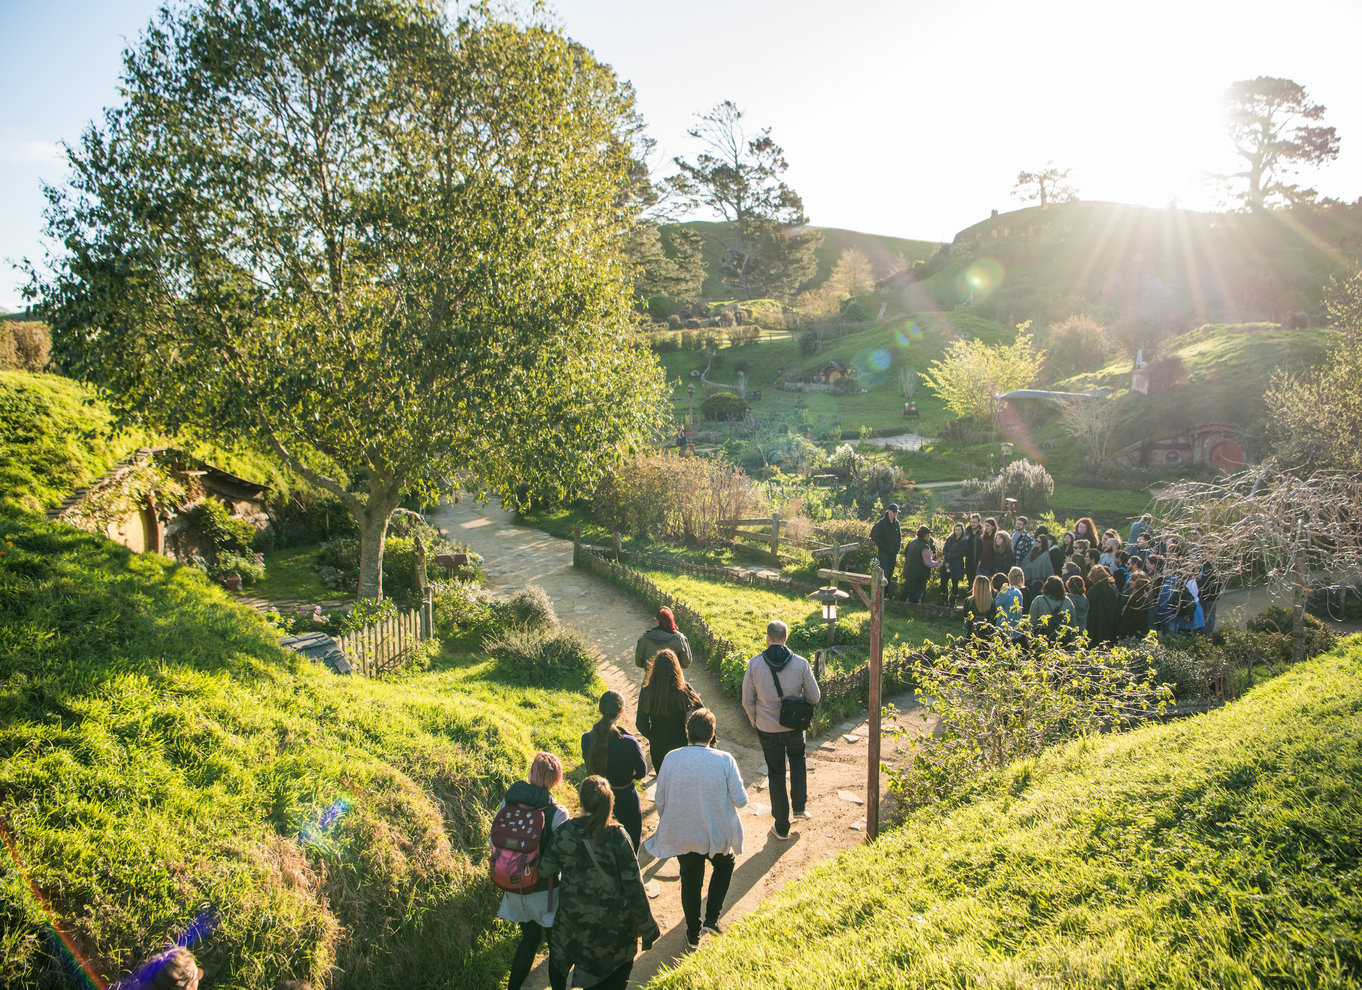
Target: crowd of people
1075,584
585,893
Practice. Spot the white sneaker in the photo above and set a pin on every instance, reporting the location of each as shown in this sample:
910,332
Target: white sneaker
803,814
783,838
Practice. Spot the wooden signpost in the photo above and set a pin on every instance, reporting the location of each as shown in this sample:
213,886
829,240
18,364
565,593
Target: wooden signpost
875,582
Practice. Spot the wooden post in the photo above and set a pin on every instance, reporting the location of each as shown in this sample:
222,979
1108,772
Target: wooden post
619,546
872,793
775,536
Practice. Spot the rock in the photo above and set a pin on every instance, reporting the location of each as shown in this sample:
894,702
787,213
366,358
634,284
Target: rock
653,889
859,824
851,796
852,738
758,809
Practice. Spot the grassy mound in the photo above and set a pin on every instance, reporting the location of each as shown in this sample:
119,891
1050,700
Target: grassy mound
1220,851
167,769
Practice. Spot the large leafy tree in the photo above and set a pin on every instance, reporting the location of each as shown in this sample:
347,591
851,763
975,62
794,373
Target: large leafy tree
767,249
1317,416
971,373
383,245
1275,129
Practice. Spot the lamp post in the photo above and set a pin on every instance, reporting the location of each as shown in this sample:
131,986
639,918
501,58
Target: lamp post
828,597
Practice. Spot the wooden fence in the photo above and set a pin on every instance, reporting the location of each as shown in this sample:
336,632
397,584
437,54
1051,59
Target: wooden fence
384,646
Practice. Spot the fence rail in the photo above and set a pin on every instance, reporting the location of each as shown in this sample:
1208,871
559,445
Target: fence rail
384,646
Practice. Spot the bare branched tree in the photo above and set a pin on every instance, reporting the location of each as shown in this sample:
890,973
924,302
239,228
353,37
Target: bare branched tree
1092,422
1302,533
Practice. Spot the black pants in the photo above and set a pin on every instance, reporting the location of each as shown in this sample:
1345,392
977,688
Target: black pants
523,960
618,980
693,878
950,587
629,812
776,746
887,565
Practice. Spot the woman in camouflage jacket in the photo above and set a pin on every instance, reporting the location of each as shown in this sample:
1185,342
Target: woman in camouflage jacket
602,908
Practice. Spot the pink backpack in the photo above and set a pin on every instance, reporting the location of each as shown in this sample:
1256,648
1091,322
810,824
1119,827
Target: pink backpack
517,831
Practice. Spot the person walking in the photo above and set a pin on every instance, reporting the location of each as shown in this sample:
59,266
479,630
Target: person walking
918,565
603,910
774,673
663,706
663,636
698,795
610,752
534,911
887,536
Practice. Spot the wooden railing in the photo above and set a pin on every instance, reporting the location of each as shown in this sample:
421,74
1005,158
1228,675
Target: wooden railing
384,646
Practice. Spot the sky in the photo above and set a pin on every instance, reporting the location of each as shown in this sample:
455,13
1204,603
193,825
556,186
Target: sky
898,117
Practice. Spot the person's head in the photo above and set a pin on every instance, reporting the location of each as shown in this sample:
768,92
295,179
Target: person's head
1110,534
1099,575
1093,555
1136,564
990,526
1042,530
665,619
1002,542
975,521
1075,585
700,726
610,705
1069,569
1022,523
923,532
1054,587
665,672
1016,577
1143,539
1138,582
598,740
1147,519
958,531
1122,558
1067,542
1043,541
546,771
174,969
598,803
1081,546
776,632
1086,528
891,510
999,582
982,593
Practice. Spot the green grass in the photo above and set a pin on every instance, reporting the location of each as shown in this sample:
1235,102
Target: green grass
164,761
292,573
1217,851
1108,507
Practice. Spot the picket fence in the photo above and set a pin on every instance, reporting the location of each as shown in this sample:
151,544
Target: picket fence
385,645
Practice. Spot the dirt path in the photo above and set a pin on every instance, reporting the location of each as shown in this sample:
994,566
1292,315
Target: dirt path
513,557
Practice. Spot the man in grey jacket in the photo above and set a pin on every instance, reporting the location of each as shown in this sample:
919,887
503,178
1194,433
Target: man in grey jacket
761,701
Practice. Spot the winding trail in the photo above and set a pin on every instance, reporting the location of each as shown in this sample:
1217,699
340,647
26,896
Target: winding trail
513,557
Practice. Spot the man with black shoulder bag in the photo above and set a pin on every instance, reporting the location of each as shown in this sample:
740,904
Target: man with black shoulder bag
779,695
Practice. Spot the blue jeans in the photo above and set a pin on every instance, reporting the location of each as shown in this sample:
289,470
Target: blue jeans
776,746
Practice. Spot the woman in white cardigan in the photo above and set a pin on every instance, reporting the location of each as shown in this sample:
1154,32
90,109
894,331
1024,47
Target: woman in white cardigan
698,793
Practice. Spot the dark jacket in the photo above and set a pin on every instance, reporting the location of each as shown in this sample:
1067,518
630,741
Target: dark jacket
887,536
1135,610
666,731
1104,613
981,625
954,553
1054,617
1004,561
624,763
973,540
658,639
913,566
602,908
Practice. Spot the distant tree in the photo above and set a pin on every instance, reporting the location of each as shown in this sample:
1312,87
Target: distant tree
1049,185
1092,422
766,248
853,275
380,245
677,275
1317,416
1343,302
1077,343
1272,125
972,373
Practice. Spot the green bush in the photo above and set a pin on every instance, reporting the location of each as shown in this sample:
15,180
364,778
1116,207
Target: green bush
847,531
1029,483
556,657
219,532
459,607
809,343
250,566
856,311
1267,637
531,606
724,407
308,516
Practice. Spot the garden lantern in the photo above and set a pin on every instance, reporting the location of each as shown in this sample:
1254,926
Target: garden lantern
828,597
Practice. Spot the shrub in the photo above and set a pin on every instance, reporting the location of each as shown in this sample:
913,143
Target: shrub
532,607
251,567
218,532
663,342
25,345
999,701
691,338
680,498
847,531
740,336
809,343
1167,373
1272,630
674,322
856,311
724,407
458,607
726,319
543,658
1077,343
1027,482
308,516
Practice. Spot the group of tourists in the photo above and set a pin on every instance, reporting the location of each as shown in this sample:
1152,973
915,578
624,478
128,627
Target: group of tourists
576,881
1072,584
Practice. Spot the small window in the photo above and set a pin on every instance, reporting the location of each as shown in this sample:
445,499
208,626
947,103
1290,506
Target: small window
1172,457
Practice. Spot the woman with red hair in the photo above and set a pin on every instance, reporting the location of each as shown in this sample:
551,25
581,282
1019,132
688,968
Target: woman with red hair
663,636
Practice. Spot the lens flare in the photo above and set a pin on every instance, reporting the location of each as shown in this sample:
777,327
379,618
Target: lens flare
315,832
880,360
980,280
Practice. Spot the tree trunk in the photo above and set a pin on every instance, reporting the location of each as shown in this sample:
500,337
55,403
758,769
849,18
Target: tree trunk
1298,620
373,533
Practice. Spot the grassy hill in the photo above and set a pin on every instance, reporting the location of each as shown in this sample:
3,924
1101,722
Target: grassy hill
1218,851
1178,267
167,769
879,248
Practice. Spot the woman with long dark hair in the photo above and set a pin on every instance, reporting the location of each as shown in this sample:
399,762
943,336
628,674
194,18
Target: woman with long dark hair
953,553
610,752
663,706
602,910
